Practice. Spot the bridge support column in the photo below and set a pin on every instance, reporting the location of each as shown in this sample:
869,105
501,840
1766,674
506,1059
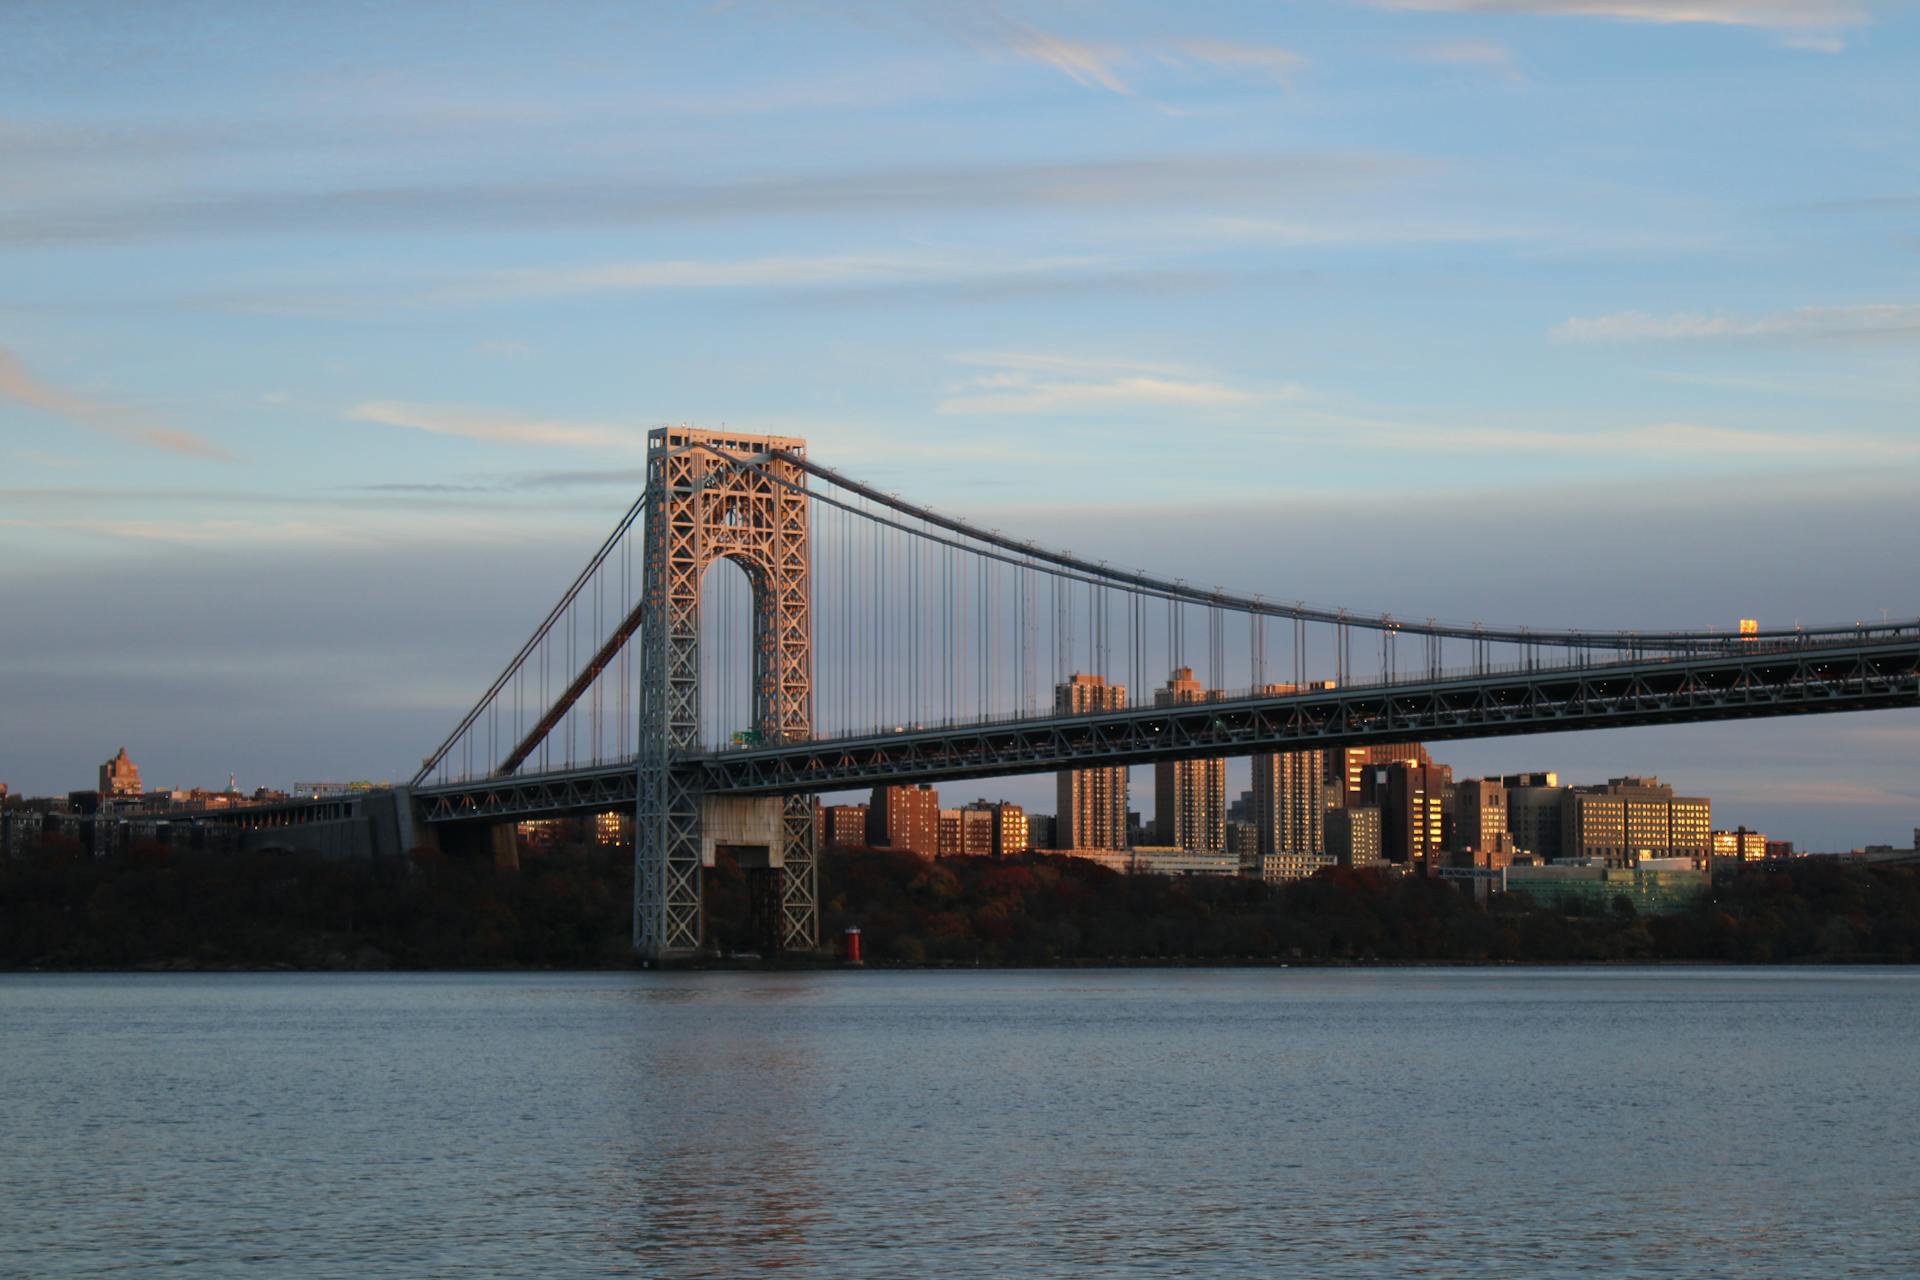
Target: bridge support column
799,921
774,835
713,496
667,864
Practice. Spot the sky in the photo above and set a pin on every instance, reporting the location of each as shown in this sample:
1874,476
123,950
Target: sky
330,334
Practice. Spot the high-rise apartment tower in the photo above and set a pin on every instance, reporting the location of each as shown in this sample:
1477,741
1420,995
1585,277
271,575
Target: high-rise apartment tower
1092,803
1289,800
1189,796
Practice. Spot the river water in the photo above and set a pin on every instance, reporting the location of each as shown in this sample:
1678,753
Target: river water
1578,1122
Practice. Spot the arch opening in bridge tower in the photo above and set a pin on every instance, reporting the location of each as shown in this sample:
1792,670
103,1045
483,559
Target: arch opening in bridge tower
732,636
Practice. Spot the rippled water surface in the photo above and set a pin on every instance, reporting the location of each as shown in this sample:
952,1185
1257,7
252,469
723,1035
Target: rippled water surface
1260,1122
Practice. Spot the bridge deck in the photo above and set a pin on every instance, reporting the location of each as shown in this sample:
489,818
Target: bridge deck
1807,680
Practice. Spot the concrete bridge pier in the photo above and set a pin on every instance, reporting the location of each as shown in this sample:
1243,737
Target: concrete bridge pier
396,826
751,830
477,840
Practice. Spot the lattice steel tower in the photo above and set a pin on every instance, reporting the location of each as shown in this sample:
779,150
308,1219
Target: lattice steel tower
703,507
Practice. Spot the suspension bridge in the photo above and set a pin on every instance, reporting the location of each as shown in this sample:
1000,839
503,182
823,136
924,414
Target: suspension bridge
759,628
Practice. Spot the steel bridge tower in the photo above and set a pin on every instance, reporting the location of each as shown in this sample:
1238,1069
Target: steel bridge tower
702,505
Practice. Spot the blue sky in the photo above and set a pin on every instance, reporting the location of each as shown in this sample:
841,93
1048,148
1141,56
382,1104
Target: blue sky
329,335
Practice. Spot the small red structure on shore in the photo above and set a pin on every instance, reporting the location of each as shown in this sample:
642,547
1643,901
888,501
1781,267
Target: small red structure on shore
853,945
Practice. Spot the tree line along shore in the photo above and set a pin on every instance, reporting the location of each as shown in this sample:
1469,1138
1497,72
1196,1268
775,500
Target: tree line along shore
570,908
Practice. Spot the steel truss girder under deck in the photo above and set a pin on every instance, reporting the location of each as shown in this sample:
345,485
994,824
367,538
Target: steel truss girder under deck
1720,687
602,788
1810,681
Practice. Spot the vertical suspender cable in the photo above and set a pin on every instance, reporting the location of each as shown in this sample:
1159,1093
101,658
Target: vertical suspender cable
1133,641
986,638
1216,649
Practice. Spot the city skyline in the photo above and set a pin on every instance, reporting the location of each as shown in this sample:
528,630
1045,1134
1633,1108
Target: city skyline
1307,787
329,351
1031,791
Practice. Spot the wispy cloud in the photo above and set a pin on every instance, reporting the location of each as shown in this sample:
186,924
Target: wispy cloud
1041,362
1686,440
17,385
1295,233
1085,64
498,427
617,477
597,477
1098,66
1663,440
1030,383
790,272
1211,178
823,280
246,533
1815,42
436,487
1861,320
1488,55
1014,394
1269,60
1776,14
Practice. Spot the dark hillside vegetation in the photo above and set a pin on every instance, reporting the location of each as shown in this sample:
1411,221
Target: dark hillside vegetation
569,908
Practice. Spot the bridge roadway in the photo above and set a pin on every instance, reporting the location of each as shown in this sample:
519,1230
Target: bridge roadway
1860,674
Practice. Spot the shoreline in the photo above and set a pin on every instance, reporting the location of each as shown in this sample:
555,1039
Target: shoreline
571,912
826,966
